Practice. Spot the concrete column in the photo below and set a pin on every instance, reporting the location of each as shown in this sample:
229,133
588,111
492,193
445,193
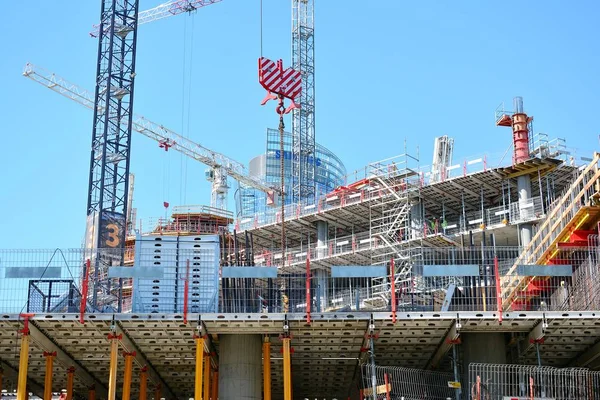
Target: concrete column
240,367
526,210
322,238
488,348
416,220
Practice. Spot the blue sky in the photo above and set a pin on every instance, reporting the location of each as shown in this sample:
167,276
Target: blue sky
385,71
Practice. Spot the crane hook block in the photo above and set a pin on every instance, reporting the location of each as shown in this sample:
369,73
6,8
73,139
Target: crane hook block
279,82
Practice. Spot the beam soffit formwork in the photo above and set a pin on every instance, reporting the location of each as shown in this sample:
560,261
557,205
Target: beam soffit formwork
13,373
588,356
39,337
444,346
141,359
485,184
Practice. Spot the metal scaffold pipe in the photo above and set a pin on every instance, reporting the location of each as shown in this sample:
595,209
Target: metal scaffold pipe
267,369
199,370
112,375
48,375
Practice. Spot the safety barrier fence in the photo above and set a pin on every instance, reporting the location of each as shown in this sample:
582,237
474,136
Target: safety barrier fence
405,383
503,381
171,280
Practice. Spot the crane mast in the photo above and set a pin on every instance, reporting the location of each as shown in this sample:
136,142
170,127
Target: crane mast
303,119
111,139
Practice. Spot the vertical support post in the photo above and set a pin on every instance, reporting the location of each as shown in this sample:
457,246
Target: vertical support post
393,287
373,372
387,386
214,385
455,367
308,296
157,390
1,379
23,362
206,382
199,371
70,376
84,291
287,369
92,393
127,375
498,288
143,383
267,369
186,290
48,376
112,373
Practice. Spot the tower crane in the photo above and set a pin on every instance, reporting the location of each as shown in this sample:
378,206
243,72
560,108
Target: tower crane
222,165
303,118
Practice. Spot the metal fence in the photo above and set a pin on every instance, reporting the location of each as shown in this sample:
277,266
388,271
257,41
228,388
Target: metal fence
503,381
405,383
170,275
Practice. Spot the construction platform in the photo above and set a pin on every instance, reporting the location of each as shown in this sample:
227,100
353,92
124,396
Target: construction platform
327,353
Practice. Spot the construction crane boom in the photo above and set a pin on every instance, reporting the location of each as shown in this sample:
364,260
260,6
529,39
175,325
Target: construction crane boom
168,9
166,137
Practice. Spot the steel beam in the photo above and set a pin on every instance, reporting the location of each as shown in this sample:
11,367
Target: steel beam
444,346
63,357
141,360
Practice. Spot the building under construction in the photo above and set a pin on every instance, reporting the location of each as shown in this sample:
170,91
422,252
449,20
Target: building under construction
466,279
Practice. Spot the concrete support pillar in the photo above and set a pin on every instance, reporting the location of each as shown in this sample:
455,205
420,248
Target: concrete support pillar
416,220
240,363
143,383
526,210
489,348
48,375
322,238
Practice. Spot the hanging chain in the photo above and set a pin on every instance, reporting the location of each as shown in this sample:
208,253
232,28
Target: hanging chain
281,111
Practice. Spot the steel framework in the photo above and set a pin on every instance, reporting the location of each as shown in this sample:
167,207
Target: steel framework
303,119
111,140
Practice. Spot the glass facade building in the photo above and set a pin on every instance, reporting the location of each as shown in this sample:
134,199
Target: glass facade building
330,173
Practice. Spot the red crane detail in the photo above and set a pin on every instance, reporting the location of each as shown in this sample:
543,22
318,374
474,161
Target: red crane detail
279,82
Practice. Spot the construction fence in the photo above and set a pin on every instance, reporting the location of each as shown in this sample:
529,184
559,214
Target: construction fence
406,383
170,275
503,381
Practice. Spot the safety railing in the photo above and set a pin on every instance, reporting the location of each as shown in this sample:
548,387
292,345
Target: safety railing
560,214
172,225
502,381
163,280
513,213
381,382
394,167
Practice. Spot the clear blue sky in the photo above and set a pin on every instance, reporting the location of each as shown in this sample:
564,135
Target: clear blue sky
386,70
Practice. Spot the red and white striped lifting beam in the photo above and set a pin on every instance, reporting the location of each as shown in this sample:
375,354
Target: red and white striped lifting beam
279,83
